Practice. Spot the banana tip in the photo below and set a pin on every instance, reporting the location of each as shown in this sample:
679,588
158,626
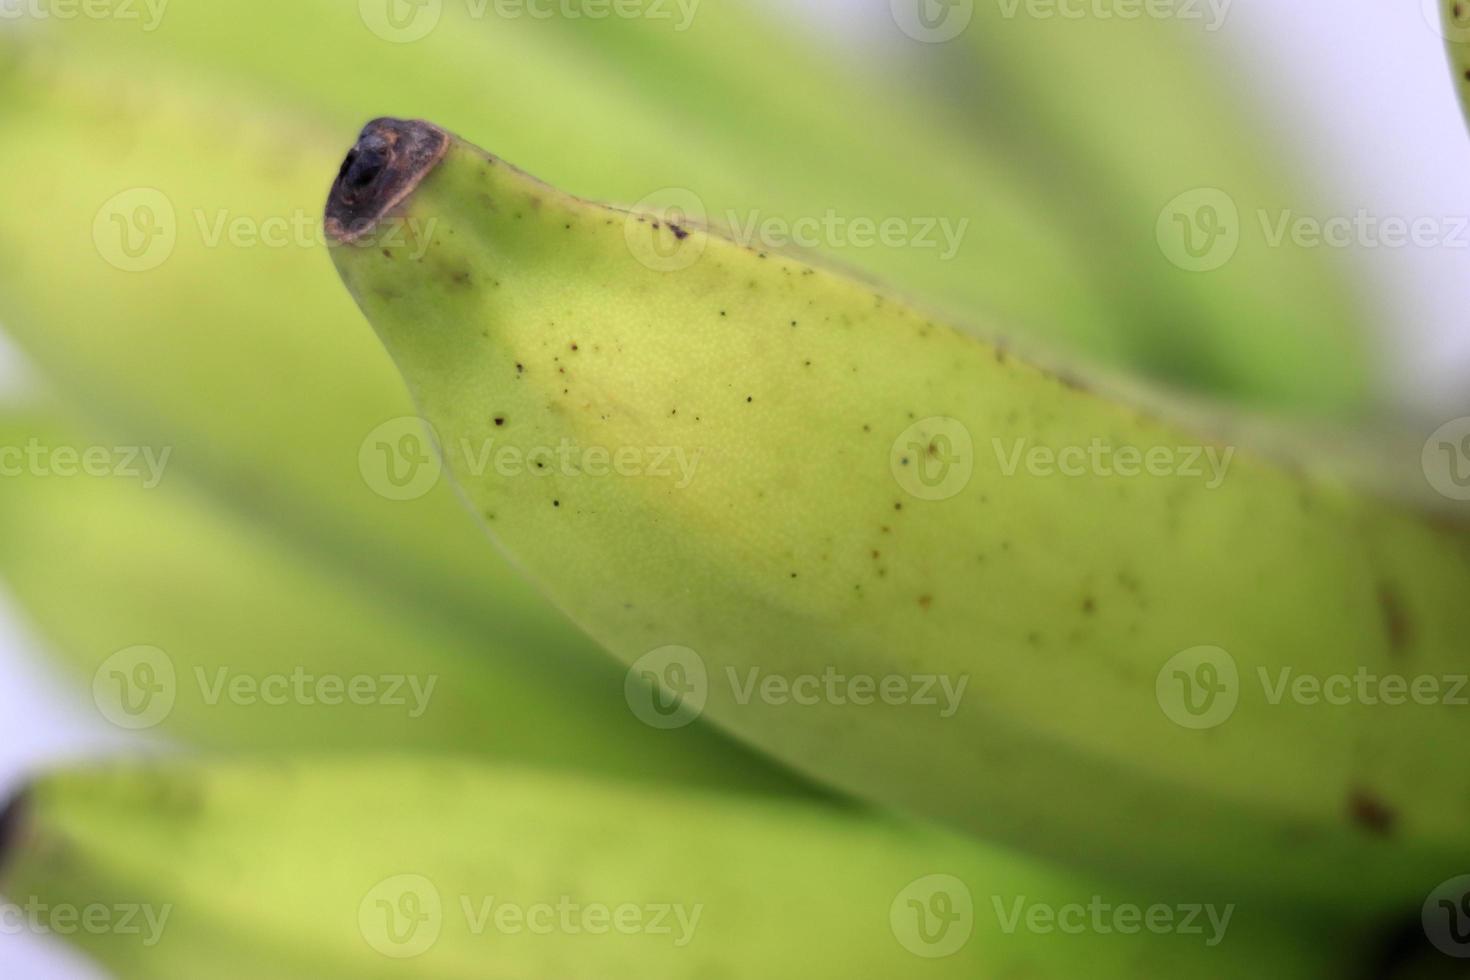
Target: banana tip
388,161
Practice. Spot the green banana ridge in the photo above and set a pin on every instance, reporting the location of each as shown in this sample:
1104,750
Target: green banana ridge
1095,668
391,867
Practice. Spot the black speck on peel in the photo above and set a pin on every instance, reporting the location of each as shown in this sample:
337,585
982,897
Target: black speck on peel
12,822
385,166
1370,813
1395,619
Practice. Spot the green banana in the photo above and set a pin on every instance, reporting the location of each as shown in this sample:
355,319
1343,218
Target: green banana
437,869
183,618
1183,190
860,560
1455,26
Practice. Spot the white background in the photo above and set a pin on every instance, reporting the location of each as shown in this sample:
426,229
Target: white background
1362,88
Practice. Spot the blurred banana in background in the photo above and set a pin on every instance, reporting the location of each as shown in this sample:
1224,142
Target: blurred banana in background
454,869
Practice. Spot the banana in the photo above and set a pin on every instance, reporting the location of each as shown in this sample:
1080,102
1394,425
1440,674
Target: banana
1455,26
182,618
382,867
913,564
1191,199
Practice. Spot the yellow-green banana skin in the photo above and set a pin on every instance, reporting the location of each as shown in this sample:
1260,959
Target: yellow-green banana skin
388,867
788,548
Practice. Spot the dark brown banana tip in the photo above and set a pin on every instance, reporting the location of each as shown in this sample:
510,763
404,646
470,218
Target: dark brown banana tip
12,821
389,160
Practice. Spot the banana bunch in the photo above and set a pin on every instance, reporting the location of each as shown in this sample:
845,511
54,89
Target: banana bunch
914,565
803,510
440,869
